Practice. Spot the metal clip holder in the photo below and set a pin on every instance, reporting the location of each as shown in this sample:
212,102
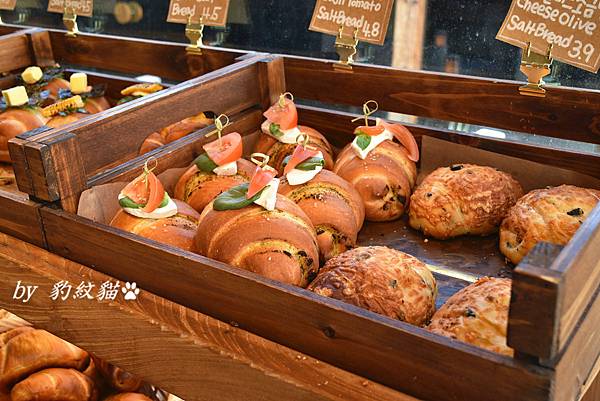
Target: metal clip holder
70,22
535,66
194,32
345,47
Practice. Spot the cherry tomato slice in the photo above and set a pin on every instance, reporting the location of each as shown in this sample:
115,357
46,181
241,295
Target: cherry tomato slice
228,151
300,154
286,117
261,178
371,131
406,138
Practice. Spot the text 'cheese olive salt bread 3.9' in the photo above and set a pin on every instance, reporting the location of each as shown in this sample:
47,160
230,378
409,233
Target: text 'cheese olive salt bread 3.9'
545,215
477,314
382,280
463,199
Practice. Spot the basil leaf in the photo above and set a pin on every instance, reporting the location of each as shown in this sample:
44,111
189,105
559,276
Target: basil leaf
204,163
165,200
275,130
127,99
286,160
363,141
235,198
129,203
311,164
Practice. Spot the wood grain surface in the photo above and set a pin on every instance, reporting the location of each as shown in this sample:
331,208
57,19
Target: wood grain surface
14,51
20,217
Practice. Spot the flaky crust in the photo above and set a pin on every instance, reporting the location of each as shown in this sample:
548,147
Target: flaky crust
153,141
385,179
177,231
550,215
477,314
279,244
185,127
382,280
334,207
277,151
55,384
15,122
199,188
463,199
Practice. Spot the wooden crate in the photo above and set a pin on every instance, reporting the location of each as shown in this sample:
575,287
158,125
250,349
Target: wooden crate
555,307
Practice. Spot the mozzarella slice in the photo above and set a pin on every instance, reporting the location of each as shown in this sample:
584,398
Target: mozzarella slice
289,136
298,177
375,141
167,211
268,197
226,169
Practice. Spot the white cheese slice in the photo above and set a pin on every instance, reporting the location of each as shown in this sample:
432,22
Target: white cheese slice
16,96
289,136
268,197
32,74
226,169
375,141
162,212
298,177
78,83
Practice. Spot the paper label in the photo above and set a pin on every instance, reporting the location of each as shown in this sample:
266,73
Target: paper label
84,8
371,17
8,4
212,12
571,26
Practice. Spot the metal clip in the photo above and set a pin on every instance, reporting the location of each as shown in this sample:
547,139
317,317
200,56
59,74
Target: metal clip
70,22
345,47
194,32
535,66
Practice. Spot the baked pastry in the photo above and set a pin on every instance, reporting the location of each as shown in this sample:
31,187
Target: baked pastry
7,175
477,314
254,228
153,141
137,91
128,397
383,171
55,384
463,199
334,207
545,215
117,378
382,280
280,134
175,131
47,82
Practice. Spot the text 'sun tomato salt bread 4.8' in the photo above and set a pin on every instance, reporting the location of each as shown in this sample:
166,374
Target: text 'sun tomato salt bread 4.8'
477,314
545,215
382,280
463,199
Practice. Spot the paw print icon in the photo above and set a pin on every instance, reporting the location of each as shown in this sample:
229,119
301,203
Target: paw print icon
131,291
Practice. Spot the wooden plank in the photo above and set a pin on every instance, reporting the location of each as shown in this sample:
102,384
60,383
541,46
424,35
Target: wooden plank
593,391
564,112
15,52
392,353
20,218
271,80
162,338
41,48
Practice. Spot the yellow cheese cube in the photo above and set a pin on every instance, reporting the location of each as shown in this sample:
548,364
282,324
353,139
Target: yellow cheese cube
16,96
32,74
79,83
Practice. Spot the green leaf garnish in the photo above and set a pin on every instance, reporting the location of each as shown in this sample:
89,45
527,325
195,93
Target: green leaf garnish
363,141
235,198
130,204
275,130
308,164
205,163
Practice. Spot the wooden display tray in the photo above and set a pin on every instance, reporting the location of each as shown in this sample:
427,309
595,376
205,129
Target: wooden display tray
554,309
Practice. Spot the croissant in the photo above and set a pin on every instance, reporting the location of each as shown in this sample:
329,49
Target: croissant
10,334
279,244
384,179
15,122
128,397
278,151
198,188
55,384
334,207
116,377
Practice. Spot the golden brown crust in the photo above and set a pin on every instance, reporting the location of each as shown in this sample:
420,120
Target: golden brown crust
96,104
117,378
382,280
14,122
177,231
384,179
477,314
199,188
55,85
279,244
128,397
153,141
550,215
463,199
7,175
55,385
59,121
185,127
334,207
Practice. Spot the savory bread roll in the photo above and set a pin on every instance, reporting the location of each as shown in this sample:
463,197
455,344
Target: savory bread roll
198,188
279,244
7,175
116,377
334,207
96,104
277,151
128,397
178,230
152,141
477,314
185,127
463,199
55,384
382,280
59,121
384,179
545,215
16,121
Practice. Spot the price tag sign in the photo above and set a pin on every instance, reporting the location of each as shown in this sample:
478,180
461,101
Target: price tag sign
212,12
84,8
370,17
8,4
571,26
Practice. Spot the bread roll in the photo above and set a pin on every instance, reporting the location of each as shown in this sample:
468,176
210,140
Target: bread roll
59,121
198,188
153,141
277,151
549,215
477,314
177,231
96,104
15,122
185,127
463,199
55,384
382,280
128,397
384,179
334,207
117,378
279,244
55,85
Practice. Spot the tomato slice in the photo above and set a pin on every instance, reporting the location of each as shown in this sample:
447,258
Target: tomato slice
156,193
371,131
286,117
300,154
406,138
261,178
228,151
137,191
146,190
